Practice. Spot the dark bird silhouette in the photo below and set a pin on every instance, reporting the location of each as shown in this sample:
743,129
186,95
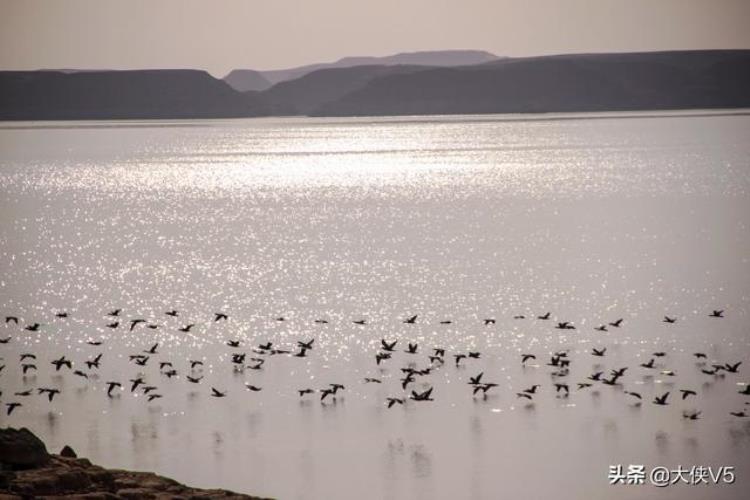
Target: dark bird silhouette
194,380
11,407
583,385
253,388
27,355
411,320
113,325
476,379
524,395
565,325
474,354
717,313
5,340
388,346
601,328
526,357
321,321
116,312
596,376
28,366
484,388
302,353
422,396
186,328
745,391
699,355
306,345
489,321
152,350
23,393
532,389
598,352
80,374
691,415
740,414
393,401
151,397
51,393
446,322
616,323
732,368
136,382
649,364
32,328
519,316
163,364
111,386
360,322
619,372
661,400
220,316
233,343
217,394
382,356
370,380
686,393
562,387
94,342
135,322
194,363
172,313
302,392
412,349
11,319
660,354
61,315
59,363
667,319
544,316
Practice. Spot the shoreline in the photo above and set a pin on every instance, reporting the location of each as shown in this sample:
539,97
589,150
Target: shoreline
27,470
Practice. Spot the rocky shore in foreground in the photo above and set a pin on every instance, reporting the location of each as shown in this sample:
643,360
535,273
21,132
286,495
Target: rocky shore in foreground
27,470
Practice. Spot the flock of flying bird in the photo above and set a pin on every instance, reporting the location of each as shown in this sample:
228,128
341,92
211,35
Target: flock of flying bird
559,362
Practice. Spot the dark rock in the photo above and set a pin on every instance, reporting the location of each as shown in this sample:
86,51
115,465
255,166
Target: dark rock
21,449
59,476
135,493
67,451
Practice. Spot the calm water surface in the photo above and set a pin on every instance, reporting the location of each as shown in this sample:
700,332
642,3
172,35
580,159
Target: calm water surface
456,219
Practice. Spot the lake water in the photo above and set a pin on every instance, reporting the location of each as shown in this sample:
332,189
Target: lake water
457,218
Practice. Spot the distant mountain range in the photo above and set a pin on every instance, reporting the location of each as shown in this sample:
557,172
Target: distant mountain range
404,84
247,79
94,95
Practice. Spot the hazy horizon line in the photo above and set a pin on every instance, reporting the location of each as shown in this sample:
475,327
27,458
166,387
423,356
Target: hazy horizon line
333,61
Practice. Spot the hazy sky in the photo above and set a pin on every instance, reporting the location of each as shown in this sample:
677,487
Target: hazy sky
269,34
